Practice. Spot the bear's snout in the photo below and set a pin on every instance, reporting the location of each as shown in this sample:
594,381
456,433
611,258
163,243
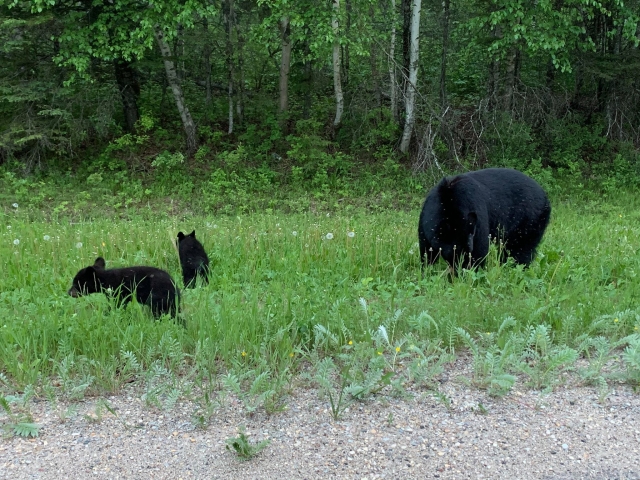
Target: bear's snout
73,291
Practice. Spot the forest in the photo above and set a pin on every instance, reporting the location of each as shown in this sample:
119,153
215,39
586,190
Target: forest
224,100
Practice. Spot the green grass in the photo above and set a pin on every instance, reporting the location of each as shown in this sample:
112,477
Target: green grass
283,295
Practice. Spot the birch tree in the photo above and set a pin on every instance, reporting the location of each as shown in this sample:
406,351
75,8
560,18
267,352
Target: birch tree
392,64
337,83
172,80
228,21
410,98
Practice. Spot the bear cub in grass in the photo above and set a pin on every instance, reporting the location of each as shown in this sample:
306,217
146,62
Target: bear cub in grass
193,259
462,214
151,286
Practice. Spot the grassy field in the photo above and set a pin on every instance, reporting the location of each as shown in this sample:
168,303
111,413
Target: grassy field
336,297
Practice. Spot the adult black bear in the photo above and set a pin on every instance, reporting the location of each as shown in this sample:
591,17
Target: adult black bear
193,259
151,286
462,214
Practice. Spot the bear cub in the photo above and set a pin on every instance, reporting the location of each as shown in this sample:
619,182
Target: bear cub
193,259
462,214
151,286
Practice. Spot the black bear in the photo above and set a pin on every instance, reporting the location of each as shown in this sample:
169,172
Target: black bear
193,259
462,214
152,286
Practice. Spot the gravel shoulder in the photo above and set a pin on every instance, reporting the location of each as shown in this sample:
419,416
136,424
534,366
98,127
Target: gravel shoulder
567,434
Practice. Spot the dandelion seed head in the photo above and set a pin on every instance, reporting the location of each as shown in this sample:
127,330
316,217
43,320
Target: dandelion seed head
46,238
14,205
16,242
79,245
351,234
294,233
329,236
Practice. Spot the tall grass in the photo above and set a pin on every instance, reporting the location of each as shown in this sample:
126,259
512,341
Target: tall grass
286,285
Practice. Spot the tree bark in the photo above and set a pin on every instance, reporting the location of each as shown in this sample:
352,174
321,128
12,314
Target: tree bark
443,61
285,63
344,49
308,81
228,20
337,83
393,89
172,79
413,77
240,81
511,79
127,79
207,67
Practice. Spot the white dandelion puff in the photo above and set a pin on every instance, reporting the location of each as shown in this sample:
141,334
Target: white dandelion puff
79,245
411,252
351,234
46,238
294,233
329,236
8,227
16,242
14,205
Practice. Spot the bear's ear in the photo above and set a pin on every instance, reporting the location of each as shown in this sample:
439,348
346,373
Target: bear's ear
99,263
180,235
193,234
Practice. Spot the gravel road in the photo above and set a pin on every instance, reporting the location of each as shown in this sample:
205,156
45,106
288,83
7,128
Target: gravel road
567,434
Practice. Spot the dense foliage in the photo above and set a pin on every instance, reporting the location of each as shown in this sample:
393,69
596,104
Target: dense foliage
112,89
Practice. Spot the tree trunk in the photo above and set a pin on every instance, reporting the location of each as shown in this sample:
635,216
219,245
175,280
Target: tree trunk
494,75
337,83
308,81
413,78
443,61
207,66
393,86
228,20
129,87
373,58
240,81
172,79
344,48
511,77
405,7
285,63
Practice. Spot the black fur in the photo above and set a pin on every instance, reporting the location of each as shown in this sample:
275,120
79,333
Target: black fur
193,259
152,286
461,212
